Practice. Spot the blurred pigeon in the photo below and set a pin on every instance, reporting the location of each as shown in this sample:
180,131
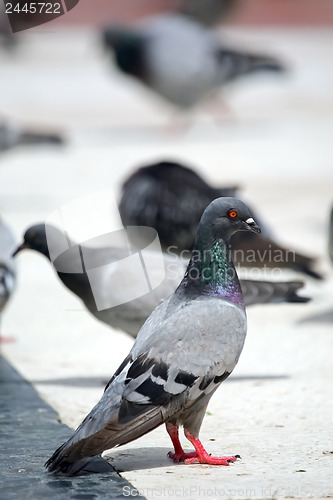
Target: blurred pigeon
186,348
116,285
271,292
7,267
207,12
330,237
171,198
7,39
180,59
13,135
131,315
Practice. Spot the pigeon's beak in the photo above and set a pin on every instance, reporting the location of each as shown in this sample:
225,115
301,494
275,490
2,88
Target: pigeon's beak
252,225
19,249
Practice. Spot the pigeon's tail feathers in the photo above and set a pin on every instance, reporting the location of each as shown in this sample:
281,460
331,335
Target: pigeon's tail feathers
264,63
304,264
235,64
261,292
72,457
41,138
309,271
291,290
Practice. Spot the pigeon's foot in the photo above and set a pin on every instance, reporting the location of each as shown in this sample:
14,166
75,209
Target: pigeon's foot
202,457
182,457
179,455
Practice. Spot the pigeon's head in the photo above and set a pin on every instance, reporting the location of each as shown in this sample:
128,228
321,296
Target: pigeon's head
34,239
225,216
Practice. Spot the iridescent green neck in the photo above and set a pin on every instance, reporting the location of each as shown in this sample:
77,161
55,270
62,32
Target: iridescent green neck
212,271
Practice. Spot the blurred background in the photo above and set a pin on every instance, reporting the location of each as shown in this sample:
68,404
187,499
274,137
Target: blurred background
73,124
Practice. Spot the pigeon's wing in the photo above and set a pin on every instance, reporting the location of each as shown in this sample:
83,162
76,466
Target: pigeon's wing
262,292
149,286
117,287
183,352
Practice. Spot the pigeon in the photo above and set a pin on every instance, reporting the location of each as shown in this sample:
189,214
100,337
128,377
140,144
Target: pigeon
13,135
130,316
330,237
116,284
7,268
207,12
171,198
180,59
184,351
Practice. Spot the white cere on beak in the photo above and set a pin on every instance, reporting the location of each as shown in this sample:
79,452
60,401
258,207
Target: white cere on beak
249,221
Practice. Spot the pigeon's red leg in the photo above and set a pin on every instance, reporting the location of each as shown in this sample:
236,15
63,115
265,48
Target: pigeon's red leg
203,457
179,454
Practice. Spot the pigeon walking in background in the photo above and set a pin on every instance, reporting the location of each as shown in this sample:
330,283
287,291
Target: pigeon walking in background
184,351
131,315
13,135
7,268
171,198
330,237
180,59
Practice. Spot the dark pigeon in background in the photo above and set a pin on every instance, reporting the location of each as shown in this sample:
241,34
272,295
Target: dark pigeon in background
171,198
7,268
188,346
180,59
131,315
12,135
115,284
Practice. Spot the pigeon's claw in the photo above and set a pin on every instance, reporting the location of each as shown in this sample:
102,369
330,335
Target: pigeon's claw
202,457
179,455
208,459
182,457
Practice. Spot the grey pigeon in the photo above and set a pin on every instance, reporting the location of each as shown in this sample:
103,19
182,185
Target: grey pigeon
171,197
131,315
330,237
7,267
12,135
186,348
180,59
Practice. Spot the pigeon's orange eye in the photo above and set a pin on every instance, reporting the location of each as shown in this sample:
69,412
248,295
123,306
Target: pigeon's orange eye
232,214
